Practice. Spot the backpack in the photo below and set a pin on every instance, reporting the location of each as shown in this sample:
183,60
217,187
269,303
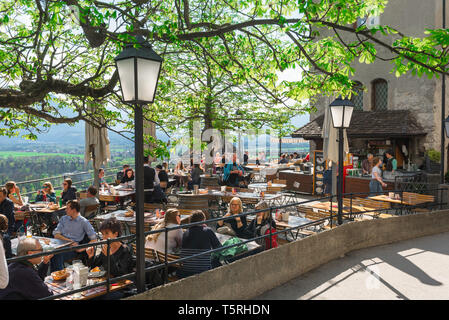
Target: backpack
230,252
274,243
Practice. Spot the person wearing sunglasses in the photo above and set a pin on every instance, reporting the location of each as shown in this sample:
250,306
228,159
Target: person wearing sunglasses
47,193
68,192
26,282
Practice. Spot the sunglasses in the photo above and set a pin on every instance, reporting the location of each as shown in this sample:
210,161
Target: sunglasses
45,187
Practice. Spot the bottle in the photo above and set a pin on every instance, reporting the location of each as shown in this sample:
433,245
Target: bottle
29,232
60,202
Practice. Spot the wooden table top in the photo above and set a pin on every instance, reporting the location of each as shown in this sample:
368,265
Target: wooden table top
253,245
292,222
58,287
42,208
264,185
346,209
409,199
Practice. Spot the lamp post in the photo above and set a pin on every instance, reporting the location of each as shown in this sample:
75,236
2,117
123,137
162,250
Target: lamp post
139,70
443,107
341,112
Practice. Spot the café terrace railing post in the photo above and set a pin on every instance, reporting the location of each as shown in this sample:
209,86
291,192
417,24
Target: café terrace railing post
108,274
350,204
271,223
165,253
402,200
331,211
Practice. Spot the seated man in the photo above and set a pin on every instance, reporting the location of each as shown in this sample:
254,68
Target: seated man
195,176
163,177
7,209
89,201
72,227
233,173
25,282
197,239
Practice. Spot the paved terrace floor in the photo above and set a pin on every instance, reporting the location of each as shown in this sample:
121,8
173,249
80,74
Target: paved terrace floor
410,270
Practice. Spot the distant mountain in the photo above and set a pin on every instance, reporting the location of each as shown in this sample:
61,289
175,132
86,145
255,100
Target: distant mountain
72,135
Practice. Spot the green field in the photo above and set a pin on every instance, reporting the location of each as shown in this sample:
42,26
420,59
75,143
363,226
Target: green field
18,154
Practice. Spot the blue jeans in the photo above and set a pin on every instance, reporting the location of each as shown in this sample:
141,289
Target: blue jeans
375,187
57,262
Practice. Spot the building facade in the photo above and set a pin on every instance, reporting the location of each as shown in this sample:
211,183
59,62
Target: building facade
381,93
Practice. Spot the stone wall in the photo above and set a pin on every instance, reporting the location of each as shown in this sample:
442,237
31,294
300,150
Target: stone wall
252,276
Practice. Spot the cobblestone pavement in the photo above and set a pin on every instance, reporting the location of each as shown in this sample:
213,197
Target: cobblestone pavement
410,270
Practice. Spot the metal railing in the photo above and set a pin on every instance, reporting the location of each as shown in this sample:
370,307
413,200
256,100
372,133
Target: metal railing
166,264
80,183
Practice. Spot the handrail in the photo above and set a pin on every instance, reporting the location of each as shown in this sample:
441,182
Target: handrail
166,264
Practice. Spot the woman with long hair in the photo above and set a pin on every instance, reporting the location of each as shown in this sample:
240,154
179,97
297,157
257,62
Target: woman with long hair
157,240
261,223
12,189
68,192
234,226
180,174
47,193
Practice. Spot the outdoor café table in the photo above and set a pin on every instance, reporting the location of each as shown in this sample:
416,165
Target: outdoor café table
149,219
59,287
253,247
48,244
246,195
326,206
408,199
291,223
120,194
40,214
262,186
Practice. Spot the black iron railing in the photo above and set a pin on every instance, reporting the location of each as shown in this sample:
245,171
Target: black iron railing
349,216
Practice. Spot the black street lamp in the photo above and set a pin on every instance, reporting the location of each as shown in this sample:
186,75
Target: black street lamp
139,70
446,126
341,112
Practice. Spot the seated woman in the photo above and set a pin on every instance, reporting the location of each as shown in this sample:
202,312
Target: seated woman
233,226
180,175
12,189
68,192
198,238
101,177
47,193
260,224
4,236
121,261
128,178
156,241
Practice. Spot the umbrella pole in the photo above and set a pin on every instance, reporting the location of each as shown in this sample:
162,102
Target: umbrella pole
140,236
96,178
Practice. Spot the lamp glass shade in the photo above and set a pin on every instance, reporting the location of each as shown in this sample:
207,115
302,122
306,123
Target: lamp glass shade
125,69
147,77
138,69
341,112
446,126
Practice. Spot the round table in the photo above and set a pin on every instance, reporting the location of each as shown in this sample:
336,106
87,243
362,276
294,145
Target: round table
262,186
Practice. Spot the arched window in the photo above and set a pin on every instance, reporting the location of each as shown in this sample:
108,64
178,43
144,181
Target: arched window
380,95
357,97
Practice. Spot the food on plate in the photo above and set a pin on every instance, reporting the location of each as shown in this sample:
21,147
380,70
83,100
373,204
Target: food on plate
129,213
59,275
319,190
96,269
319,183
319,175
